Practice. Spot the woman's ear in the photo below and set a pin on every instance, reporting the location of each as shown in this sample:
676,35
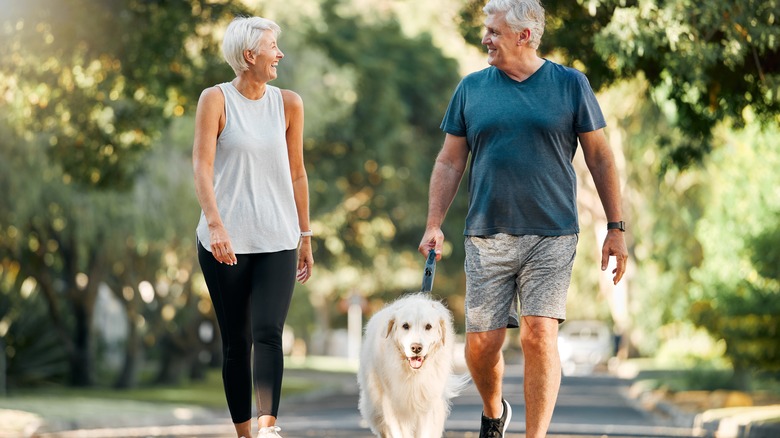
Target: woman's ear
249,56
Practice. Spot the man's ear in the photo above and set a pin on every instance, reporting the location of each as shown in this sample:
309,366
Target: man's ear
524,37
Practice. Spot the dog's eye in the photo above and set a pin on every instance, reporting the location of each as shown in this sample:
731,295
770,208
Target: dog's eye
406,326
428,326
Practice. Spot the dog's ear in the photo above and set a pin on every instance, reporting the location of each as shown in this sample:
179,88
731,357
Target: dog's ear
443,328
390,325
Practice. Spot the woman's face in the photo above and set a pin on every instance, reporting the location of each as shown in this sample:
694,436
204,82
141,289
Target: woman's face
267,56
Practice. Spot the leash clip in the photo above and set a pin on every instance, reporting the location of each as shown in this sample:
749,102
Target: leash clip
430,270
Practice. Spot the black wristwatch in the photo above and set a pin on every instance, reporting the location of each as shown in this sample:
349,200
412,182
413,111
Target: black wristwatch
617,226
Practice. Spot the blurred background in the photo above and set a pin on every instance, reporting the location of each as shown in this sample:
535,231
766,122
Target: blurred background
99,283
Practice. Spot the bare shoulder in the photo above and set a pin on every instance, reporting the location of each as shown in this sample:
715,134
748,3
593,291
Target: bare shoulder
212,95
292,99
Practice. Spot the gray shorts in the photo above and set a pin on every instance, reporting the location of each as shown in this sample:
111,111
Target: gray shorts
502,268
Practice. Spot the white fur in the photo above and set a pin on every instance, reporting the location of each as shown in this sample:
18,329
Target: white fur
397,400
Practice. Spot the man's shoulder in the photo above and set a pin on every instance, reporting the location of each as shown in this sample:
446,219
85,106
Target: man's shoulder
564,72
479,76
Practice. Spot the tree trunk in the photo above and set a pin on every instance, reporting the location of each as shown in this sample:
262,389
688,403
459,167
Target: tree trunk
128,376
83,303
81,357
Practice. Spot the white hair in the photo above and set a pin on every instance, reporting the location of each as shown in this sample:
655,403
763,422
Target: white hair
244,33
520,15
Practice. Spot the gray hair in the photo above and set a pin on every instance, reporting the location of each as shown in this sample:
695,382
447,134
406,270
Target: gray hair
244,33
520,15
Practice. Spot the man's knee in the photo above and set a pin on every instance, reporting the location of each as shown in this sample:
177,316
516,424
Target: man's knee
485,344
539,334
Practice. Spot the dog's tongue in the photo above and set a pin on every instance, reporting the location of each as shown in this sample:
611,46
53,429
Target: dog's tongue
415,362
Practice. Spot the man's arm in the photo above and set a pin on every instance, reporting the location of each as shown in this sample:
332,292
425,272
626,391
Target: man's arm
601,163
445,179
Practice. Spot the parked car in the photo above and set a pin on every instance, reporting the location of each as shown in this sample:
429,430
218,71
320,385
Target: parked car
584,345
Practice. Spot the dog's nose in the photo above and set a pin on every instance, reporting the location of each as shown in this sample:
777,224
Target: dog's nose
416,348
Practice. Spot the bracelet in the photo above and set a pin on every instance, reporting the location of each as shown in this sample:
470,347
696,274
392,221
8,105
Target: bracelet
307,233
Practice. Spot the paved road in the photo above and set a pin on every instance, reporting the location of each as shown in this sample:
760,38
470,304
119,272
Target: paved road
588,406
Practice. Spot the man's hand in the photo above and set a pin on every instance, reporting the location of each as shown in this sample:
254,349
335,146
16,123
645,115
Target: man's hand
432,239
615,245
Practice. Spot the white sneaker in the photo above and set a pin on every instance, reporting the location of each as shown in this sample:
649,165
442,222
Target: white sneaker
269,432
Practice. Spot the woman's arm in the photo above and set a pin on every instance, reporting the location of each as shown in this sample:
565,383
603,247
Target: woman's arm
209,121
293,112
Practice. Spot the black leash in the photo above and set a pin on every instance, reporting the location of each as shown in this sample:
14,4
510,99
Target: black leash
430,270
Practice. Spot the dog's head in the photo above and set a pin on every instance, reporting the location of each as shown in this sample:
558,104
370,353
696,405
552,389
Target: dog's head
418,327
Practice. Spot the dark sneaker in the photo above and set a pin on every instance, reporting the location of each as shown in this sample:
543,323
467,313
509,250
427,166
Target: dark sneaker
495,427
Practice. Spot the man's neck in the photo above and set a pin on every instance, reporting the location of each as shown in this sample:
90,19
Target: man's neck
524,67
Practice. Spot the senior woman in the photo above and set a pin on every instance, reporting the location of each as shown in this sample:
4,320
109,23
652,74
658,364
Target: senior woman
254,238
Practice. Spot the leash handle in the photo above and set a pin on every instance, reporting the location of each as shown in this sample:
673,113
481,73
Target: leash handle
430,270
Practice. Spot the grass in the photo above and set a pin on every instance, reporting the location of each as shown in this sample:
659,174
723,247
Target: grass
201,402
763,386
207,393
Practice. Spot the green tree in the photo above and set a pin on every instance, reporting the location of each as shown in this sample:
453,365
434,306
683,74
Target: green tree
705,62
735,293
84,104
370,180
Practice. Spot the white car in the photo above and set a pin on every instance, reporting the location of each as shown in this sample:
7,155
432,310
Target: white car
584,345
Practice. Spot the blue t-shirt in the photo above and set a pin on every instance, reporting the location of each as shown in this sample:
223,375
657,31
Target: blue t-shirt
522,137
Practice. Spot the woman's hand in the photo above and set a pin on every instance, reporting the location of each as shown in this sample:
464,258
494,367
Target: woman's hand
305,260
221,247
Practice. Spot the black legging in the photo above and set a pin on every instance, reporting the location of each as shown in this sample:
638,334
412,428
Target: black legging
255,292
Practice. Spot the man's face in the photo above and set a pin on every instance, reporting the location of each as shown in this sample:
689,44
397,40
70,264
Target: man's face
500,41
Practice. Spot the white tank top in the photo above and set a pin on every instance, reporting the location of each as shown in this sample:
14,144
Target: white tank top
252,179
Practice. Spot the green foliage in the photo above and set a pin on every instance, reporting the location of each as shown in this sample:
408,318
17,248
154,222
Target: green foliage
705,61
746,317
765,251
97,81
735,291
32,354
87,88
372,165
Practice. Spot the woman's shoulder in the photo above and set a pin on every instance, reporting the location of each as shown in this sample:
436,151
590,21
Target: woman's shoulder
213,94
291,98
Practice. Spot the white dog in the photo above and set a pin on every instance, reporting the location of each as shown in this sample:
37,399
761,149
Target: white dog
406,375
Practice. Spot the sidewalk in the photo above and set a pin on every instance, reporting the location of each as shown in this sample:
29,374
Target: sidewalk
77,416
720,413
71,417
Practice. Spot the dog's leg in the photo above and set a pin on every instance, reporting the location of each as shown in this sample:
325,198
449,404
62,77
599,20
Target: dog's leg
370,403
431,425
393,425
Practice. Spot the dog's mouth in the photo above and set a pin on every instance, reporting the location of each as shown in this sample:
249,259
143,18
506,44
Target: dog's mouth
416,361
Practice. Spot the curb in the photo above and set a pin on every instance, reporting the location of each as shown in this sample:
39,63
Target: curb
742,422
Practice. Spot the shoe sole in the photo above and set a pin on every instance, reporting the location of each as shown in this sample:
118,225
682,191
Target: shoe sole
508,415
